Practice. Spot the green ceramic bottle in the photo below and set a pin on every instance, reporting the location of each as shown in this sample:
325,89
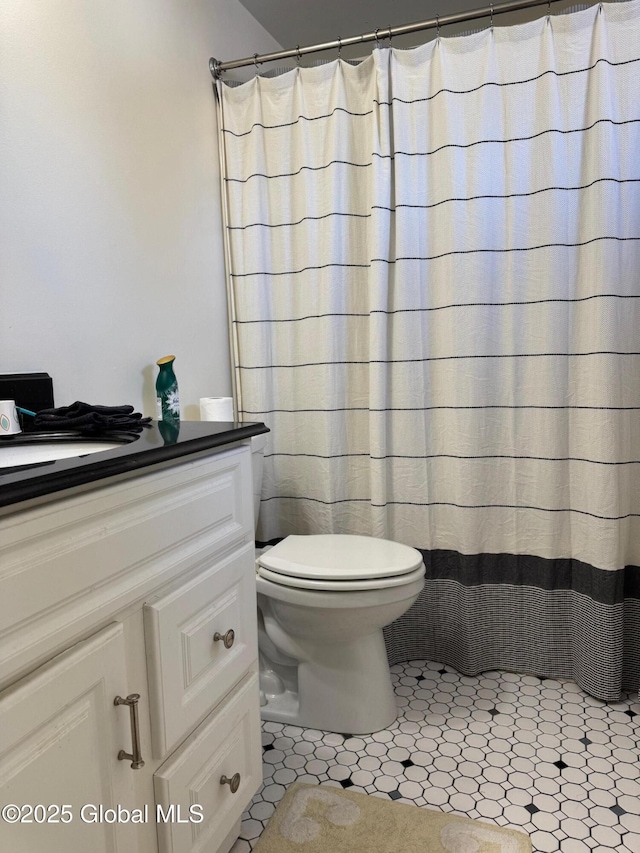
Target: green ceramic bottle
167,399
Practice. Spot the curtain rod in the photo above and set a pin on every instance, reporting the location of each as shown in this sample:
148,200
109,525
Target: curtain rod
216,67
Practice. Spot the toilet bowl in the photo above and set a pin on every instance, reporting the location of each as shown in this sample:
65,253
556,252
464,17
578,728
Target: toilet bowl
323,601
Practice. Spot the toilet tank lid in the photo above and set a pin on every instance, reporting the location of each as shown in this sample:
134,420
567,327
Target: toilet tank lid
340,557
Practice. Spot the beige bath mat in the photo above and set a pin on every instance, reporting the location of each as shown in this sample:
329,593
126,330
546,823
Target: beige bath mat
318,819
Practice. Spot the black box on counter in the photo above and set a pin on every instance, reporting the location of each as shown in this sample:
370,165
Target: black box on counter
33,391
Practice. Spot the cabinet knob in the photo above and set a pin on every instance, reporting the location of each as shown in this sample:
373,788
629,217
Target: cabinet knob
227,638
135,756
233,783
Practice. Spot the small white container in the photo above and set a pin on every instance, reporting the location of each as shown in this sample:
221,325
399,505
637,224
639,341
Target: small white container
9,423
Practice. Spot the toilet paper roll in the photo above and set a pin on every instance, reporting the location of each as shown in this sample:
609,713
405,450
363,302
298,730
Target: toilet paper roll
216,409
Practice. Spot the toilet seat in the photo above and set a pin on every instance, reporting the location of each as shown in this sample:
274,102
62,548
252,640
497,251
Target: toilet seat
340,562
341,586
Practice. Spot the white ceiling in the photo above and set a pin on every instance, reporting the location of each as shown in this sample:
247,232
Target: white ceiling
293,22
306,22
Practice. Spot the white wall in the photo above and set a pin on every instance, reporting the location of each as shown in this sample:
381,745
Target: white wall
110,229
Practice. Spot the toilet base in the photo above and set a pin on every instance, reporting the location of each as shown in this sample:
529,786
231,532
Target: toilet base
281,708
343,687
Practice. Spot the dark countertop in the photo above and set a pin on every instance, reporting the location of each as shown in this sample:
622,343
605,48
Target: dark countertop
27,482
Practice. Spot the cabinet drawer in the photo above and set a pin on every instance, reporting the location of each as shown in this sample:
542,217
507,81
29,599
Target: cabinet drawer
227,742
189,671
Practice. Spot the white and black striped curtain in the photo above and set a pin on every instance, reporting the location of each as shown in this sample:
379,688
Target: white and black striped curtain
435,261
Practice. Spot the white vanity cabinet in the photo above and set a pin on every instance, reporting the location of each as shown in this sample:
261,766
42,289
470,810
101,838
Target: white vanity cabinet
143,587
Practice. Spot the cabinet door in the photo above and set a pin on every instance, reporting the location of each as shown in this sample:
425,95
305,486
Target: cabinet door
60,734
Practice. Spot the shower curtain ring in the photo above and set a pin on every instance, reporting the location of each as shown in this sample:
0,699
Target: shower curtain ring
377,40
339,46
255,60
437,26
491,14
299,55
389,36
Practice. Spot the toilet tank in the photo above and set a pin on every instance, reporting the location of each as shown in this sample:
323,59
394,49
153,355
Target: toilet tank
258,443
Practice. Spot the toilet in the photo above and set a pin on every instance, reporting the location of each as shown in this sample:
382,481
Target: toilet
323,601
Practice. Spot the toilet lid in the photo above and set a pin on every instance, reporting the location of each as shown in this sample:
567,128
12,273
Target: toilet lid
339,557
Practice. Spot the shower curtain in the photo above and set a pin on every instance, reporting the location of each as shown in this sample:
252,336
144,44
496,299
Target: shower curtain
435,290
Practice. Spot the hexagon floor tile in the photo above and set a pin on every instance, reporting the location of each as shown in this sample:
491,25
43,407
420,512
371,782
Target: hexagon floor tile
513,750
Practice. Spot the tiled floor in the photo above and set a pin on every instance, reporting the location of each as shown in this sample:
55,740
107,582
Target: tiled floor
536,755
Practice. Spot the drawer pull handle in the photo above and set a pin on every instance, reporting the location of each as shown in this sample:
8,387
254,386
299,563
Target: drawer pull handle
135,756
227,638
233,783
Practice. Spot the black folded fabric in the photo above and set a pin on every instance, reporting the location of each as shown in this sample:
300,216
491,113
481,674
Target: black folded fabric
91,419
